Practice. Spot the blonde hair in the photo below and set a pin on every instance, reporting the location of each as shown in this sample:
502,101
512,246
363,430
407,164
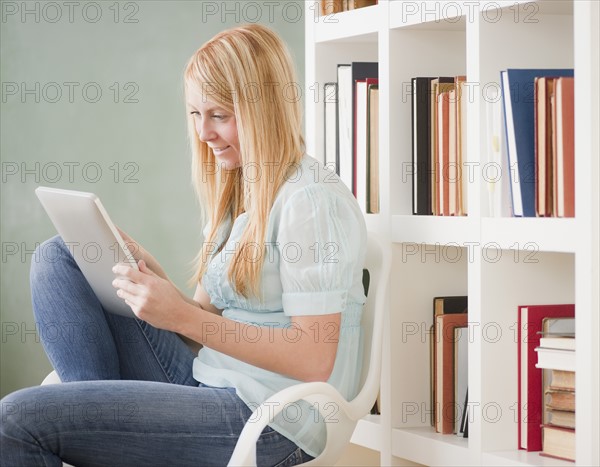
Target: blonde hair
246,70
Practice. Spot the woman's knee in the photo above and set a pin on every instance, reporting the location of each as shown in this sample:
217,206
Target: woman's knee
47,255
20,409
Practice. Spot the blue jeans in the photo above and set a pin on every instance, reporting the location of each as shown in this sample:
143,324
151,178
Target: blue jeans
129,397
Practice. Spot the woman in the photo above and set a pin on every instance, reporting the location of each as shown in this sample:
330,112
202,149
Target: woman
278,297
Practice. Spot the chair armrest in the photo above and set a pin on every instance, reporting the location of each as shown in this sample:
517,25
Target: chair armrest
323,394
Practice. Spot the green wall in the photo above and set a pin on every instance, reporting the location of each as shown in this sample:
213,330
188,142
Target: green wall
127,144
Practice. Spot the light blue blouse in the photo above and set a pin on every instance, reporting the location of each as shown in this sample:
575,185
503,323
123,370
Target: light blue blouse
315,251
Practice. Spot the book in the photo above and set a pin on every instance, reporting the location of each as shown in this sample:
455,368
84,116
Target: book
348,74
372,148
558,442
518,99
344,157
555,359
361,140
562,418
441,305
464,422
560,400
329,7
564,147
461,376
443,152
543,92
421,150
360,71
330,129
530,397
450,173
354,4
445,419
560,379
558,342
558,326
438,85
461,145
496,175
450,305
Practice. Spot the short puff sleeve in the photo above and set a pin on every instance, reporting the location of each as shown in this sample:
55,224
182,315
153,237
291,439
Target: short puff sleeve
321,239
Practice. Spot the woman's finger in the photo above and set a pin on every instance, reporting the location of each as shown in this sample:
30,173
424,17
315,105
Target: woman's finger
130,298
124,284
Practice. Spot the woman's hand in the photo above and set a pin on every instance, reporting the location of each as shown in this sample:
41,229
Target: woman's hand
140,253
152,298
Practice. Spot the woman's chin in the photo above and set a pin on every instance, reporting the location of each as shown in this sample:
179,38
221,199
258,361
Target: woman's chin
228,163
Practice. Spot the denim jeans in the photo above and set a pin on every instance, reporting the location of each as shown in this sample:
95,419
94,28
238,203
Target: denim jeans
128,398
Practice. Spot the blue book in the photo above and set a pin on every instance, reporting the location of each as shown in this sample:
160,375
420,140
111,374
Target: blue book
519,114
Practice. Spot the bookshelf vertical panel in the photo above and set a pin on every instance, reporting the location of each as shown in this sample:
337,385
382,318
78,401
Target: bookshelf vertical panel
587,207
511,278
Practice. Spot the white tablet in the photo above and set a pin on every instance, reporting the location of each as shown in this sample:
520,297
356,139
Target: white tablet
93,240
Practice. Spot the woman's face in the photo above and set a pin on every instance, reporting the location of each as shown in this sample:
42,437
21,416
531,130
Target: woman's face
217,128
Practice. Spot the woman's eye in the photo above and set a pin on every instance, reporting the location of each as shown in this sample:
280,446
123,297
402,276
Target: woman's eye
218,116
194,112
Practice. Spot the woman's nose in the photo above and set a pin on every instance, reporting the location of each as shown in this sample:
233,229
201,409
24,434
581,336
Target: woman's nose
205,132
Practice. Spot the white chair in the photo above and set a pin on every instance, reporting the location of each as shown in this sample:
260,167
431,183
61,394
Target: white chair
378,260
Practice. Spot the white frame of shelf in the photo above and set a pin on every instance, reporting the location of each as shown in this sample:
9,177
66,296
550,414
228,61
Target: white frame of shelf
569,246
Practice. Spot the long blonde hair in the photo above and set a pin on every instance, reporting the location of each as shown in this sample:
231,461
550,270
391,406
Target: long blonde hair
246,70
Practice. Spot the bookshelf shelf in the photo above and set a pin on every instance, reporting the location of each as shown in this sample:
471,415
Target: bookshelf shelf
457,231
530,234
352,26
520,458
546,7
499,262
425,446
368,432
435,15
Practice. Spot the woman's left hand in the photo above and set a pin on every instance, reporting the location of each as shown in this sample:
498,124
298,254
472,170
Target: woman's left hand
152,298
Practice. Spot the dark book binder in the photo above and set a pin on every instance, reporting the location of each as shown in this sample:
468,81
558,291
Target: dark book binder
421,159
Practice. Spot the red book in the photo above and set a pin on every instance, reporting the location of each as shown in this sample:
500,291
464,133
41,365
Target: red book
445,408
530,390
564,134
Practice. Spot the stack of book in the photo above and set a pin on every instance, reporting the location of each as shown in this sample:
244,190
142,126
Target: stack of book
329,7
556,355
535,321
351,115
538,109
439,146
449,365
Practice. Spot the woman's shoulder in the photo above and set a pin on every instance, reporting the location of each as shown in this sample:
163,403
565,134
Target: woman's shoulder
311,187
311,176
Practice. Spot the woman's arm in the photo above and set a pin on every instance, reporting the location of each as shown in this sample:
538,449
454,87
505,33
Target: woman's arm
305,350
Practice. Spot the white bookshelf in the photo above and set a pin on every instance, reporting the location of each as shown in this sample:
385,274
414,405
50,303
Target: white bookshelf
499,263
